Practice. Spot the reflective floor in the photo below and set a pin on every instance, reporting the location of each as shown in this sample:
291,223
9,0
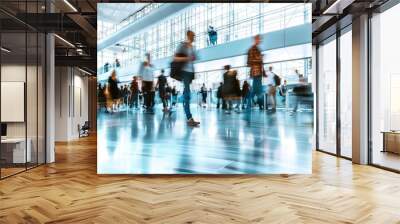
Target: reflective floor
256,142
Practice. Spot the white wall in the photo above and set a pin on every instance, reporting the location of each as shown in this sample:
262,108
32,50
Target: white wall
11,73
80,110
61,103
34,126
16,73
71,102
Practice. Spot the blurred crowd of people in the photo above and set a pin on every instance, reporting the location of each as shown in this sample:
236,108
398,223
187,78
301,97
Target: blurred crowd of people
113,97
230,94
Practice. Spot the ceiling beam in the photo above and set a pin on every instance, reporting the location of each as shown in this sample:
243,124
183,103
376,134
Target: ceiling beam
337,7
81,61
84,24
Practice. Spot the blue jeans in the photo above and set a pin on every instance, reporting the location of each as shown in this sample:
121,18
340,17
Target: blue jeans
257,90
134,100
174,100
246,101
187,79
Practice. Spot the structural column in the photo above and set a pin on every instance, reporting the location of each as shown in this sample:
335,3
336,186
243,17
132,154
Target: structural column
314,90
360,90
50,99
50,91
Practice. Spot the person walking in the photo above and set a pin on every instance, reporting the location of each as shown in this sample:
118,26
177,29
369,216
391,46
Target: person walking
219,95
300,90
245,95
282,90
106,67
187,73
203,92
125,95
231,90
174,94
168,96
147,84
272,82
117,63
101,99
226,69
115,93
255,62
162,90
134,98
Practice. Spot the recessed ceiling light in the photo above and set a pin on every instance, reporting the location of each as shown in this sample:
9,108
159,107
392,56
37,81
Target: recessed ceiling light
86,72
70,5
64,40
337,7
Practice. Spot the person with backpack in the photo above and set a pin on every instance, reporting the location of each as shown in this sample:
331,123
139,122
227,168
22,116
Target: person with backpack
185,56
273,80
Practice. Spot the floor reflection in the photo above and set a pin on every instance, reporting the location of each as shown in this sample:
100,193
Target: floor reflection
257,142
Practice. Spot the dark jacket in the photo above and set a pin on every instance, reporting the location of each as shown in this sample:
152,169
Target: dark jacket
203,90
231,86
219,92
245,89
113,88
162,82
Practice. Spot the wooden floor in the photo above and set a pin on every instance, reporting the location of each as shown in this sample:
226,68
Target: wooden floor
70,191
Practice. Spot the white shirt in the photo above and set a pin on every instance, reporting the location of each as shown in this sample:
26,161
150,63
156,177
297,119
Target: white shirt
270,78
189,52
148,74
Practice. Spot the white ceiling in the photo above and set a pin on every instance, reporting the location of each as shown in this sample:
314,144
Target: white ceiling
116,12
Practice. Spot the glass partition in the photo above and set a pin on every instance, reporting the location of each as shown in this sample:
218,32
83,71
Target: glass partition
13,79
385,88
32,98
346,93
22,95
327,96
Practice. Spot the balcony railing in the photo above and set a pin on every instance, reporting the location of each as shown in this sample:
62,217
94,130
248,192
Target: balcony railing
271,21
